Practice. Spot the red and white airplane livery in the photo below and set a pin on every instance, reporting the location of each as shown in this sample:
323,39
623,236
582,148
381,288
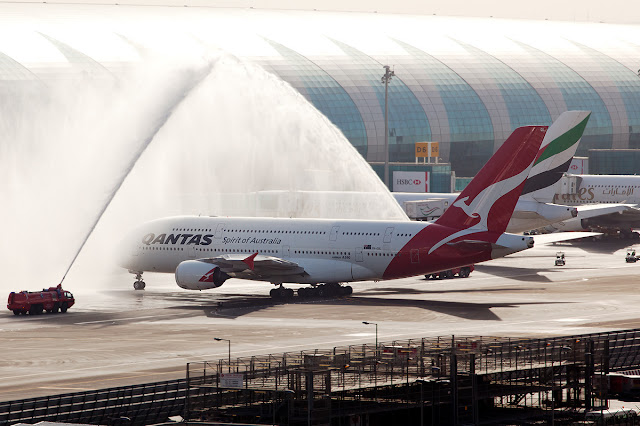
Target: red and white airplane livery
204,252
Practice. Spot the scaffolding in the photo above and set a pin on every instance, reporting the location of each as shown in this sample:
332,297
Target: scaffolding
442,380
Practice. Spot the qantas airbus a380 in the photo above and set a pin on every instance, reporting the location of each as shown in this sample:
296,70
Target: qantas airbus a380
204,252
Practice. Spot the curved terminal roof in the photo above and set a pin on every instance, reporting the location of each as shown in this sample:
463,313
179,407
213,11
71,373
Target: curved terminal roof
463,82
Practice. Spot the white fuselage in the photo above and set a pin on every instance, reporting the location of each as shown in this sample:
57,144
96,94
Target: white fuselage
600,189
328,250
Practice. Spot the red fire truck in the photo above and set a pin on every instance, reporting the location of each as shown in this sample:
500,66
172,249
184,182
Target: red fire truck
52,299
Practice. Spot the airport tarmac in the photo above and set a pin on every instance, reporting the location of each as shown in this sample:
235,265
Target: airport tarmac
120,336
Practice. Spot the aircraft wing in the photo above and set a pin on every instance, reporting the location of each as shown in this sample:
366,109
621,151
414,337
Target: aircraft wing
595,210
557,237
610,216
255,266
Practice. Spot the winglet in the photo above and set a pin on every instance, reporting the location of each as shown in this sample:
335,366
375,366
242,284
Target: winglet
249,260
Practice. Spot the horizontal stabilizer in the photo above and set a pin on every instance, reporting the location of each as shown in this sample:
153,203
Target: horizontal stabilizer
557,237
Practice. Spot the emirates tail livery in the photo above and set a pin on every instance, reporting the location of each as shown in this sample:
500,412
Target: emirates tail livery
204,252
534,208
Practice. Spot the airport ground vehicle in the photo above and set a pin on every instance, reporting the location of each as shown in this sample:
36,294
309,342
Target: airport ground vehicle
631,256
52,300
560,261
462,272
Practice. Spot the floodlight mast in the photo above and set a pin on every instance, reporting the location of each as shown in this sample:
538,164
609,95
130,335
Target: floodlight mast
386,78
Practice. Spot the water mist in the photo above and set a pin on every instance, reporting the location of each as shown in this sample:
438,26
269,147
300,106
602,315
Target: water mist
211,136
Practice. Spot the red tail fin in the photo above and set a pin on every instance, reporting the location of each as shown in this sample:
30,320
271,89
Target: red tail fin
489,199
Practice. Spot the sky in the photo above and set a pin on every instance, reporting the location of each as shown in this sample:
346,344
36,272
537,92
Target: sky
609,11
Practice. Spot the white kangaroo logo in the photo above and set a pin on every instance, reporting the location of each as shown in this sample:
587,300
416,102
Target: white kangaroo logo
482,203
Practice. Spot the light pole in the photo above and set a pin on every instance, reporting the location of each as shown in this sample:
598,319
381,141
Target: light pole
386,78
375,363
376,324
219,339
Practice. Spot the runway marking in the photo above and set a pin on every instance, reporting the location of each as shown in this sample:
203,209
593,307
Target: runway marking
127,319
63,387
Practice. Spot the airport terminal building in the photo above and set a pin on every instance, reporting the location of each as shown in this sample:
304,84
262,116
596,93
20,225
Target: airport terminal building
463,82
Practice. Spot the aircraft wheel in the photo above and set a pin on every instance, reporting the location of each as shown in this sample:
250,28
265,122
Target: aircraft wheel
331,289
348,290
274,293
288,293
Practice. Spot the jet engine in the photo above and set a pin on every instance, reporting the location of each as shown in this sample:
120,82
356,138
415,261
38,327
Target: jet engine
198,275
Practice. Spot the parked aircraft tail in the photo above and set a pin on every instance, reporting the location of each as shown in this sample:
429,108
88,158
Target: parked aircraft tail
555,154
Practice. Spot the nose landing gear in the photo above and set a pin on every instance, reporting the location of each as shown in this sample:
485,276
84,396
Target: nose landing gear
139,284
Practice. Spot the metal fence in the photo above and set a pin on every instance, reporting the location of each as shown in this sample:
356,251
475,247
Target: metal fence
546,374
136,405
450,376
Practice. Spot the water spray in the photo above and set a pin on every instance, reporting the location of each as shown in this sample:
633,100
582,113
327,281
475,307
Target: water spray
180,96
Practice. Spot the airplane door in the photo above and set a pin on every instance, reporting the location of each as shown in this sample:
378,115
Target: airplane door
192,252
359,256
286,251
334,233
387,235
415,256
219,231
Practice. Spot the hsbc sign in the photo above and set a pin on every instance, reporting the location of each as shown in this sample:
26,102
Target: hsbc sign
411,181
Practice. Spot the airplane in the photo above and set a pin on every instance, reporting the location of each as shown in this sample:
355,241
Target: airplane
203,252
605,203
536,206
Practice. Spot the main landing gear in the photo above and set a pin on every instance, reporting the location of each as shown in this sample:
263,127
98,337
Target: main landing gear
281,293
322,290
139,284
325,290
